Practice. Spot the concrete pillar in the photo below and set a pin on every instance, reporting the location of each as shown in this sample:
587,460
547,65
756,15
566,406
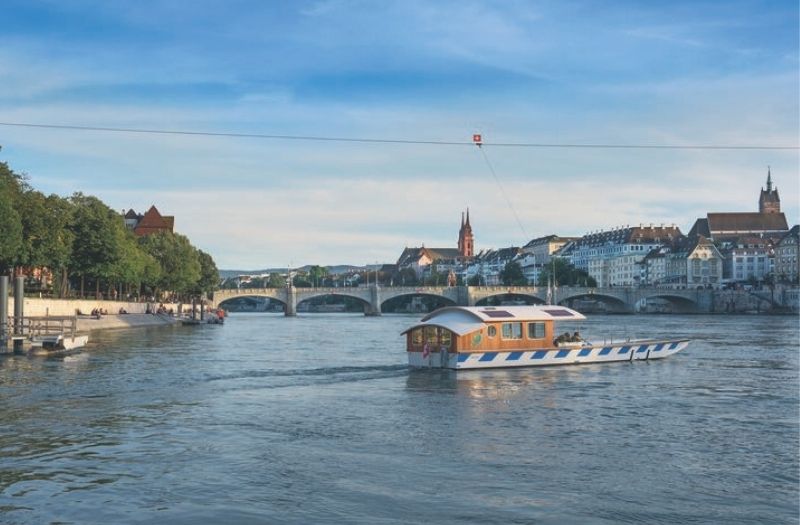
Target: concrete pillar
374,307
19,301
463,296
291,301
3,312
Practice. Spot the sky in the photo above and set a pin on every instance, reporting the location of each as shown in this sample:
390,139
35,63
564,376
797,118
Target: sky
565,72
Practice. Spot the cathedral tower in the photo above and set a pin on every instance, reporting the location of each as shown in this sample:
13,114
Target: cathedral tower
769,201
466,246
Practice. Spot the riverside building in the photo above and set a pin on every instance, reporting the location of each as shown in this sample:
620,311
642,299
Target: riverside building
614,257
787,256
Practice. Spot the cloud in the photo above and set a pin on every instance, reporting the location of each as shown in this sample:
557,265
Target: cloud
514,71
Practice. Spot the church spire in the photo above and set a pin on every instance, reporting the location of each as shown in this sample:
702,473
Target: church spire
769,201
465,238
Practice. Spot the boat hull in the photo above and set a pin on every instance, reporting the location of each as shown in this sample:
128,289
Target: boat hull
589,353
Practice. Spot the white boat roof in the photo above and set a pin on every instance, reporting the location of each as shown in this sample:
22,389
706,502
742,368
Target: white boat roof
466,319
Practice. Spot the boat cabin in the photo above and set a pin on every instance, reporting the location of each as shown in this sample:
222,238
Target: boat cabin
471,329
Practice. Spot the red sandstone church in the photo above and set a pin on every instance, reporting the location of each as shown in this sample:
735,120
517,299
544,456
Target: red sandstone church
419,258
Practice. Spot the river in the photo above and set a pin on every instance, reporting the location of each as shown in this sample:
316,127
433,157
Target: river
316,419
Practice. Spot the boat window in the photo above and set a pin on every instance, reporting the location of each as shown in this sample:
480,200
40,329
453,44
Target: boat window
492,331
445,336
512,330
416,336
535,330
430,334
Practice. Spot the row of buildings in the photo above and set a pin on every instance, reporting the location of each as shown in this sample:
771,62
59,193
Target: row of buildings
720,249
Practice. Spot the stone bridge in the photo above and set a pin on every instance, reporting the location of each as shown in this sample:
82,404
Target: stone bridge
617,299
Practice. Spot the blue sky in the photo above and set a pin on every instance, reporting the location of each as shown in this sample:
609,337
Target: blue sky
516,71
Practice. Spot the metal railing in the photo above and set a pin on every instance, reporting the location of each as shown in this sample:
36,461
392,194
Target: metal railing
31,327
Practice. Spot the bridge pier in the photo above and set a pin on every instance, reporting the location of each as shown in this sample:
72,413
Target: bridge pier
464,296
373,309
291,301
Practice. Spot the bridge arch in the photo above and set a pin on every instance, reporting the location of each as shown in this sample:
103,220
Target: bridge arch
489,300
306,297
678,303
251,297
591,301
447,301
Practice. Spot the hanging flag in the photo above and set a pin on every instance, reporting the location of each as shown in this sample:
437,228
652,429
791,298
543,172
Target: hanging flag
477,139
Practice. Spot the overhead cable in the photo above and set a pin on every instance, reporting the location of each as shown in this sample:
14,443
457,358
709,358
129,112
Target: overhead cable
365,140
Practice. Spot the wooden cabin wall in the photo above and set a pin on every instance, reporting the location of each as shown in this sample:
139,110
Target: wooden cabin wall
467,343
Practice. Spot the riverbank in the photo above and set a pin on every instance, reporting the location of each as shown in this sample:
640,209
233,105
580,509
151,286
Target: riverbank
36,307
88,323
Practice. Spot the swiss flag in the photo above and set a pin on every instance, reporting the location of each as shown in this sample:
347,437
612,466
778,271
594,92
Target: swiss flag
476,139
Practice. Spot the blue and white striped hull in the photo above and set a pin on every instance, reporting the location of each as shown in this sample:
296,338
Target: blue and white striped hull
596,353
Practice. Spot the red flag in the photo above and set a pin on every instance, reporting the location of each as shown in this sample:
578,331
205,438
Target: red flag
476,139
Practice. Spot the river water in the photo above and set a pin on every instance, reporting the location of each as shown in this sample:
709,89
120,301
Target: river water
316,419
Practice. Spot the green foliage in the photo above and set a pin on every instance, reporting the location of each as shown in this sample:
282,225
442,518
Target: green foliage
11,241
11,238
276,281
512,275
301,280
178,259
565,274
136,266
99,232
317,274
47,237
209,274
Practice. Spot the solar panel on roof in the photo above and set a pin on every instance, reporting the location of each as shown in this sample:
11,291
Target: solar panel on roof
497,313
559,313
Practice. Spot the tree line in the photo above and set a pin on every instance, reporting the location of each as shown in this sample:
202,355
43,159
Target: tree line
86,247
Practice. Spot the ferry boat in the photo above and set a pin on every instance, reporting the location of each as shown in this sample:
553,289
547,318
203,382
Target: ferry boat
516,336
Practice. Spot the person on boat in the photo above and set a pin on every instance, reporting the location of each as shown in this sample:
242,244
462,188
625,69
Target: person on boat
576,337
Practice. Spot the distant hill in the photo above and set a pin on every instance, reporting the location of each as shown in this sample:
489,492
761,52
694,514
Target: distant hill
335,270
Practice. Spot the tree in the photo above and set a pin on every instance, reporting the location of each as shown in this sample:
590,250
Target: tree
317,274
136,266
565,274
209,274
276,280
58,240
178,259
11,237
99,235
512,275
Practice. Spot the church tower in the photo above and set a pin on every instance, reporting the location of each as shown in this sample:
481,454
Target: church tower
466,241
769,201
